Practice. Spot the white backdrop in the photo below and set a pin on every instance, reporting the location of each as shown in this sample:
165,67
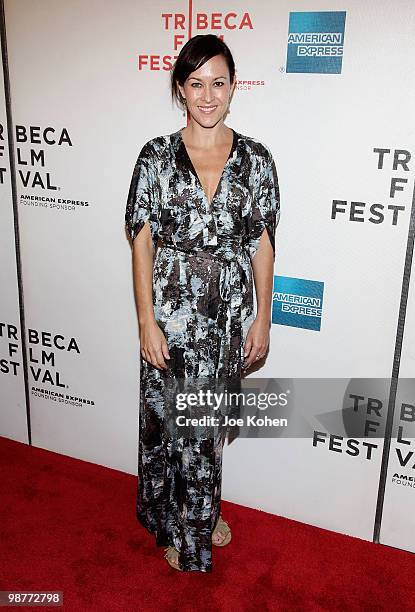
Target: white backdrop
13,421
75,72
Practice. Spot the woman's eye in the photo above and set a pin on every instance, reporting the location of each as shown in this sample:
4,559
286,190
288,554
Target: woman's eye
216,83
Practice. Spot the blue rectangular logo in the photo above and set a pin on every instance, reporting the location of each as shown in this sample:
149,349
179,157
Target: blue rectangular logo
297,302
315,42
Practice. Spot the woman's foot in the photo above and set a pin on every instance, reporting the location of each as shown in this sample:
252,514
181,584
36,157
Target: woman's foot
172,556
221,534
218,537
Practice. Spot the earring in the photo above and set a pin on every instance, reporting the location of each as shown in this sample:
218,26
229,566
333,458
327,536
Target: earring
184,111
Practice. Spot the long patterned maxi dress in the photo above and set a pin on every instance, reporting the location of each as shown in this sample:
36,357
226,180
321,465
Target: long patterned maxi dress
203,303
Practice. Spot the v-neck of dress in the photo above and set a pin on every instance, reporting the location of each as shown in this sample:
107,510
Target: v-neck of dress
231,151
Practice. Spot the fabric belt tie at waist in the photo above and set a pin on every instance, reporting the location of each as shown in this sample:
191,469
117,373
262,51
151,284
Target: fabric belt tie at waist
231,268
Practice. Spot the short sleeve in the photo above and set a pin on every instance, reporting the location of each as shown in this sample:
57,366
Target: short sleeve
142,200
265,213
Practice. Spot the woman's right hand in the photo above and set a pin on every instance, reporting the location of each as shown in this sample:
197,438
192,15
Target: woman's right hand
153,344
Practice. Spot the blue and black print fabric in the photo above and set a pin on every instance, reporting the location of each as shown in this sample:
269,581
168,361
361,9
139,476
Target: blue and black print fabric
203,303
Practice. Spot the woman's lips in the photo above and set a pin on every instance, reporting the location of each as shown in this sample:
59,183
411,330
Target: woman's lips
207,109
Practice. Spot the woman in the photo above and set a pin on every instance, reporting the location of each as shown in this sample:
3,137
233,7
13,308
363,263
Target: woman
207,201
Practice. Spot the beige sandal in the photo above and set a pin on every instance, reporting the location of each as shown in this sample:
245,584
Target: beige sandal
172,556
223,528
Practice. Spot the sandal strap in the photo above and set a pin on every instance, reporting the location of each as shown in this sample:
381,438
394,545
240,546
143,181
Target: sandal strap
222,526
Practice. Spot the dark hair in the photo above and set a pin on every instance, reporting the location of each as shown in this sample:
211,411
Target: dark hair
198,50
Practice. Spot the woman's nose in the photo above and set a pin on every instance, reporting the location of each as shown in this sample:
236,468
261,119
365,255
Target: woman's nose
208,94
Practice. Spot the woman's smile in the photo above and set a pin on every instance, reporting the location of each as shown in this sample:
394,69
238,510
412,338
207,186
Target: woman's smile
207,109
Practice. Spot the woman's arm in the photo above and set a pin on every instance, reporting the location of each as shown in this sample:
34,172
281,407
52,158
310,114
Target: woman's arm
141,220
263,269
152,340
262,224
257,340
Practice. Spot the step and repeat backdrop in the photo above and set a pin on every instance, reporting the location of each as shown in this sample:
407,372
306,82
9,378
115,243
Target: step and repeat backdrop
329,88
12,392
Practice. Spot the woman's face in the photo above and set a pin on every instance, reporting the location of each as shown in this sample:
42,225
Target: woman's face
208,90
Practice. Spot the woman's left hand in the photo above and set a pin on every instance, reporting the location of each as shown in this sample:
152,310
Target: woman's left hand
257,341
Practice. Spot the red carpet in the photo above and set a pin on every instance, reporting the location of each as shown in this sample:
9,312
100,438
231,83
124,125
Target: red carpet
70,525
